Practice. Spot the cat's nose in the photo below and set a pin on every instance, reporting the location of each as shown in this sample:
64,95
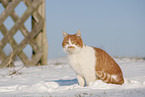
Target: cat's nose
70,47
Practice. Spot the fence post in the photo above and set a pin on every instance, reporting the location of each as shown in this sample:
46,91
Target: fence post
44,37
41,38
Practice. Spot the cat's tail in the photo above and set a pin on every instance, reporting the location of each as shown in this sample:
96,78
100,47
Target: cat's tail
113,79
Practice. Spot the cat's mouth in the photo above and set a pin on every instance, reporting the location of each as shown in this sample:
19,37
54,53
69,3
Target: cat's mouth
70,48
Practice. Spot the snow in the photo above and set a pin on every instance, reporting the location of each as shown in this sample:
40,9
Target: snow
57,79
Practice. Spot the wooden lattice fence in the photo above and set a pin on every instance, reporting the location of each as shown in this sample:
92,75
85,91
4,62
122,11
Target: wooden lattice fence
36,38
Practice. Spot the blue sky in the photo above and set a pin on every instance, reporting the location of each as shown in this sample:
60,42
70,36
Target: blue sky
117,26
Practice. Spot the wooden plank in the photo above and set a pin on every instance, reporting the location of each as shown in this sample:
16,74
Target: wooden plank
19,48
35,15
8,10
2,55
38,39
44,36
4,31
36,58
21,20
6,0
27,2
41,38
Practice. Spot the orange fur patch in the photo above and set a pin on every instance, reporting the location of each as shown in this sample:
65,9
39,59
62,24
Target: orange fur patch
106,67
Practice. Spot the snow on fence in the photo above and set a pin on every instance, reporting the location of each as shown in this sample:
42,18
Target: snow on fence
36,38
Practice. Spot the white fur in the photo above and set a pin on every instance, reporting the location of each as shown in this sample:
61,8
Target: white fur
114,77
83,64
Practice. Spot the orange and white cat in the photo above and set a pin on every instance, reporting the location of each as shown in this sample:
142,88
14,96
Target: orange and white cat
90,63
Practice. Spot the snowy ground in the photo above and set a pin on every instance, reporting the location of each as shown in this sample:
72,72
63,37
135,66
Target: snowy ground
57,79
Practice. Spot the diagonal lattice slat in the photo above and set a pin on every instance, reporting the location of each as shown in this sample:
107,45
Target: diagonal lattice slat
8,10
32,10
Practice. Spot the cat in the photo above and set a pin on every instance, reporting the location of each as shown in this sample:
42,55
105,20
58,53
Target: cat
90,63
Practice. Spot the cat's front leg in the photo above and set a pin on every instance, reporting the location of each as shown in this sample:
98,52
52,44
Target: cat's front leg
81,80
90,78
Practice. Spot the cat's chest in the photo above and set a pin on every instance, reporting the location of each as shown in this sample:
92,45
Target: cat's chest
84,61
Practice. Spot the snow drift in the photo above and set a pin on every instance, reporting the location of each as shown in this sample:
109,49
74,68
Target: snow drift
58,79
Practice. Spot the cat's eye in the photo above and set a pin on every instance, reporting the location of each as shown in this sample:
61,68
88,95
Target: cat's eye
66,42
74,42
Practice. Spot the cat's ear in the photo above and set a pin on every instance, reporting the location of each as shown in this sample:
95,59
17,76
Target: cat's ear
65,34
78,33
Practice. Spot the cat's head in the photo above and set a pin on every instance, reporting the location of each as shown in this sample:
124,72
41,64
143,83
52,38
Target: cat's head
72,43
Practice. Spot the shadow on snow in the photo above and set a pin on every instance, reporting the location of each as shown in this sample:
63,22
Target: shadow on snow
66,82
